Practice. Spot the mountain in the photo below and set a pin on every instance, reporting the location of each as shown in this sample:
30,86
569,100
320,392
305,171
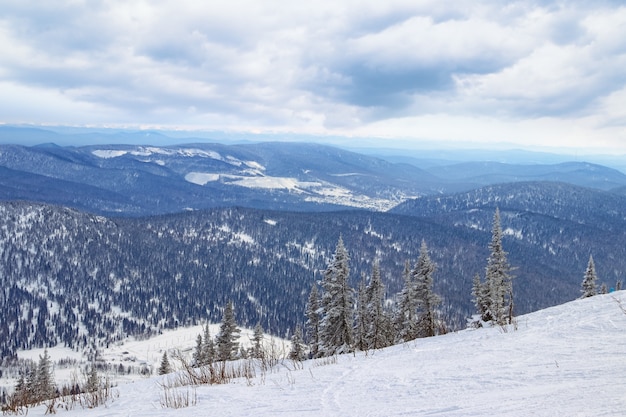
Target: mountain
139,180
563,360
486,173
143,180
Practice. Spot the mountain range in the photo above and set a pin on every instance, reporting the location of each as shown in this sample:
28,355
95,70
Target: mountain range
104,241
136,180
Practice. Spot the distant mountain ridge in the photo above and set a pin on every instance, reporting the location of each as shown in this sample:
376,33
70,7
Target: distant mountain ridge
488,173
135,180
141,180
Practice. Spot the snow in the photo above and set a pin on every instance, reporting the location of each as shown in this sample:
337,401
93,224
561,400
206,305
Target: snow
106,154
514,233
201,178
291,184
567,360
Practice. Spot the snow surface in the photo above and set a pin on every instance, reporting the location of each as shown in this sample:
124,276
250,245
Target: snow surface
106,154
568,360
201,178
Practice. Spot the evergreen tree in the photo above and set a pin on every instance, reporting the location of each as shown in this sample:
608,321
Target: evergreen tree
45,380
208,347
589,286
93,381
406,322
362,317
198,354
313,322
227,345
298,349
337,318
257,342
498,278
604,289
376,335
32,394
480,296
428,301
165,367
20,394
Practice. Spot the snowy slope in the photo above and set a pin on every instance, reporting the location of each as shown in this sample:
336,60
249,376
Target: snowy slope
568,360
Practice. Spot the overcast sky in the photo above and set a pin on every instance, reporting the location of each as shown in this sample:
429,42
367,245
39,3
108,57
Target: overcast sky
533,73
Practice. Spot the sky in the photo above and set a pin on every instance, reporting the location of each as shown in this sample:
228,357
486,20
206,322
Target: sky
528,73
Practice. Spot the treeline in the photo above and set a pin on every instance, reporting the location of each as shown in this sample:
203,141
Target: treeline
36,385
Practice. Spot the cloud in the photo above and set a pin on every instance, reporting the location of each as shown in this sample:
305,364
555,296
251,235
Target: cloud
329,66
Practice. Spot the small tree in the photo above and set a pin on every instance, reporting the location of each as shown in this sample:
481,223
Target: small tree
480,296
198,355
498,278
428,300
227,345
45,388
589,286
406,315
165,367
208,347
337,305
20,394
93,380
377,322
313,322
257,342
362,321
298,348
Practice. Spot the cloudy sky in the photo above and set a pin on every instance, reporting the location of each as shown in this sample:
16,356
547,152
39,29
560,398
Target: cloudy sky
530,73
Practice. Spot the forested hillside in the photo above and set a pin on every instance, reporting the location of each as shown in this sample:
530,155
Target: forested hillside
75,278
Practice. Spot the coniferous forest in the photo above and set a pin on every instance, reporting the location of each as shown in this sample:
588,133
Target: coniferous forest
78,279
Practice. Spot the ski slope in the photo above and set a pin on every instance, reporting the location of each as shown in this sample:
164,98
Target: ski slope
568,360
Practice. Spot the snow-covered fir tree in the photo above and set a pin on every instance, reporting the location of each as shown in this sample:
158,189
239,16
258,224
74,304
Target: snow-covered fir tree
406,314
589,284
377,323
313,322
257,351
93,380
337,305
428,300
45,387
298,348
20,393
227,346
480,296
498,278
362,319
197,356
208,346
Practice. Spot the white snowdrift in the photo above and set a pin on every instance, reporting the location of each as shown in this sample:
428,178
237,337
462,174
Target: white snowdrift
568,360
